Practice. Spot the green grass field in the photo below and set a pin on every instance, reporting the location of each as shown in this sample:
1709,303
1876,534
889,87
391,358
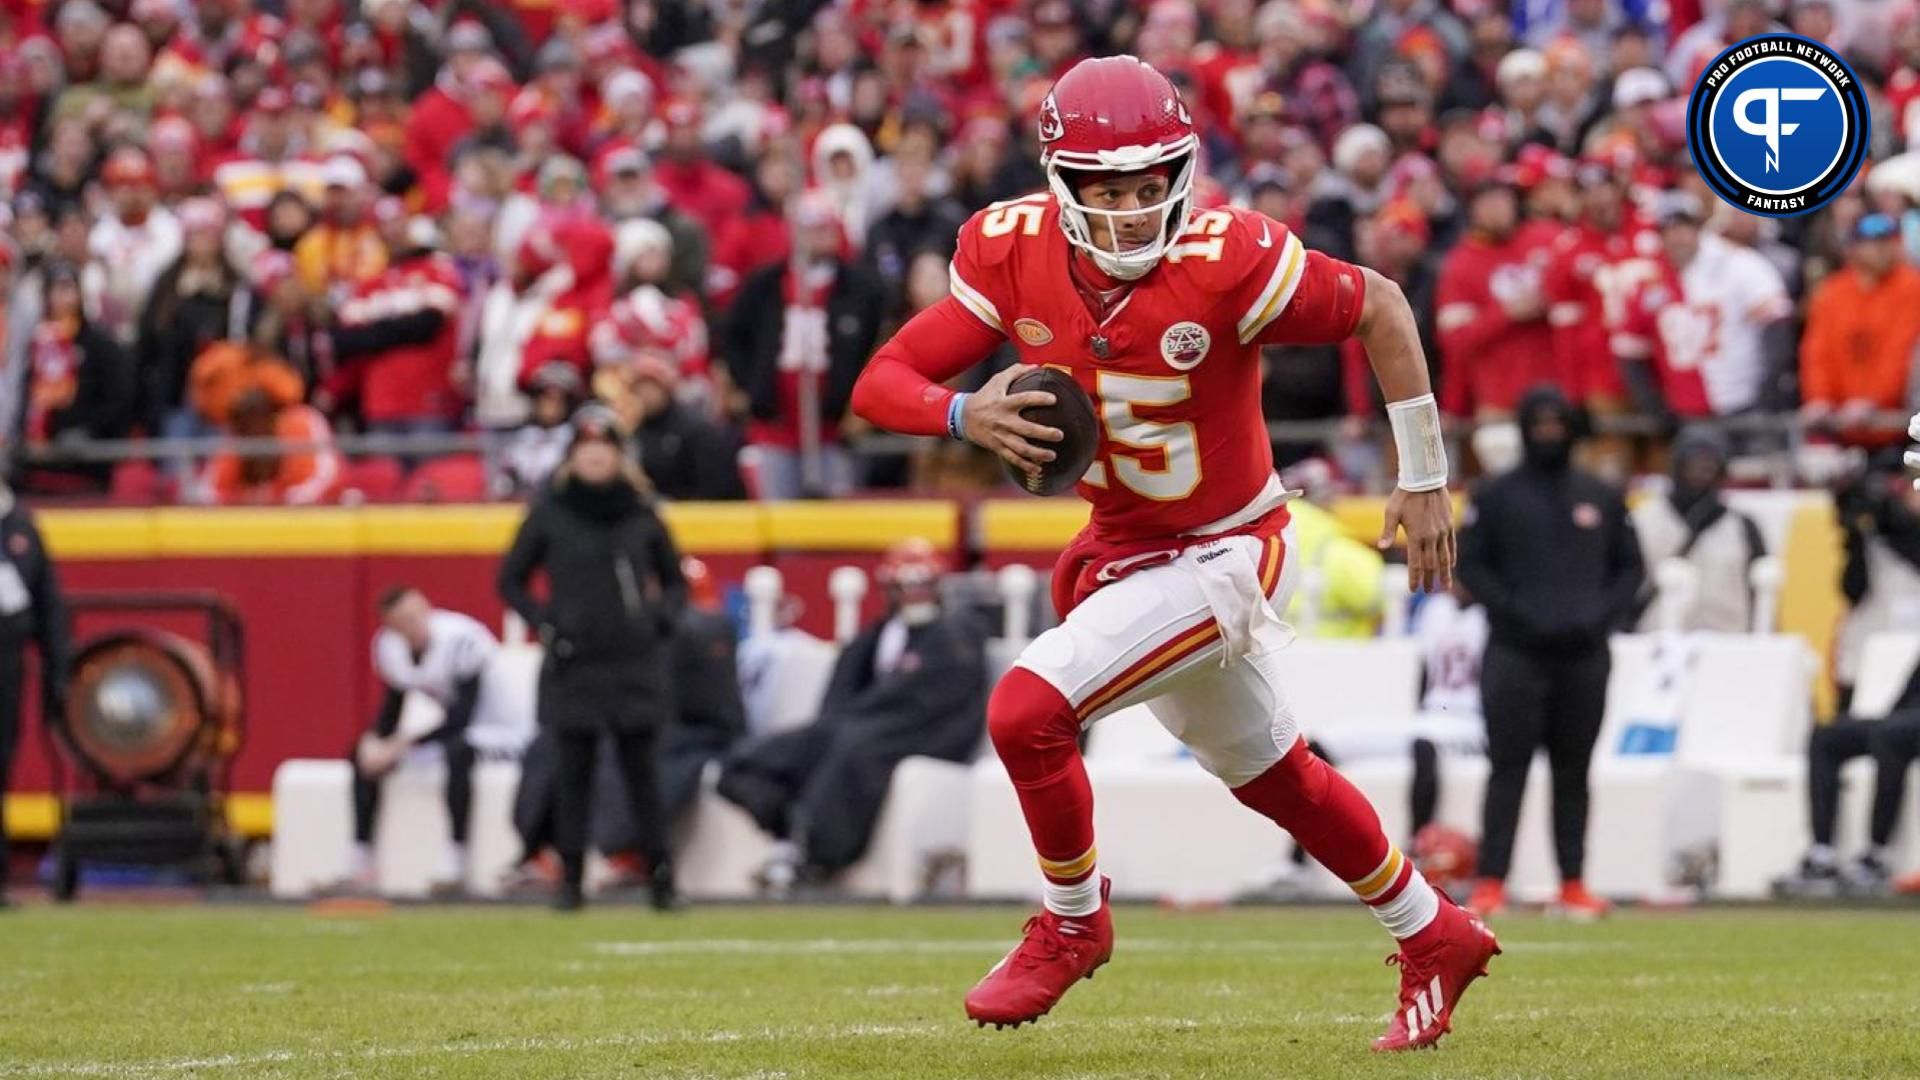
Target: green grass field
263,992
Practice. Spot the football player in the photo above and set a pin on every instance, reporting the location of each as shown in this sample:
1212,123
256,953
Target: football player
1169,596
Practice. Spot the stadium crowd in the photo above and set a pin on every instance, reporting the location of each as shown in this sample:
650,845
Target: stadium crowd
302,218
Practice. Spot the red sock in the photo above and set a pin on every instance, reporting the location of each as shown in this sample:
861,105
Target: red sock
1326,814
1337,826
1037,734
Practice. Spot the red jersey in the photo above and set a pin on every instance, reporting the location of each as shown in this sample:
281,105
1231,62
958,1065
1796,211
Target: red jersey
1174,368
1487,358
412,381
1655,323
1581,313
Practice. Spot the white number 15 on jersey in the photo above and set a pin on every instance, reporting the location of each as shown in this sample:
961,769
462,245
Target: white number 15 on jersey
1179,473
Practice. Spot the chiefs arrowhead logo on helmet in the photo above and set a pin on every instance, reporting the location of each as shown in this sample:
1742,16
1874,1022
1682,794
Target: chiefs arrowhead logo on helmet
1050,126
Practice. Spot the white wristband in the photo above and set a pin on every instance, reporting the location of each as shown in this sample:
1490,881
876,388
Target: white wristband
1416,435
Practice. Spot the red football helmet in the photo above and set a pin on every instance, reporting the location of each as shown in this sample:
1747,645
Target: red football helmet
1446,857
1118,115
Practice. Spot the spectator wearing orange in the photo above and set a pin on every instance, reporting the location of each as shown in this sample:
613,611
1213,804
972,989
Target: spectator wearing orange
227,370
343,251
1863,322
306,473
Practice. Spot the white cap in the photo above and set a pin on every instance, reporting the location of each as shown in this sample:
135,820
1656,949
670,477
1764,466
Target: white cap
1638,86
1356,141
625,83
343,171
1521,64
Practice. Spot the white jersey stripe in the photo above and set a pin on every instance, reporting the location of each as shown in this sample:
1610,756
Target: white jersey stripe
1287,271
973,298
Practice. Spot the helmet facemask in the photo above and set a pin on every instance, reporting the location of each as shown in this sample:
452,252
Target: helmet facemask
1064,168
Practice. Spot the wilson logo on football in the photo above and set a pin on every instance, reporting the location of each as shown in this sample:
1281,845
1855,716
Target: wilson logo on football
1184,345
1033,332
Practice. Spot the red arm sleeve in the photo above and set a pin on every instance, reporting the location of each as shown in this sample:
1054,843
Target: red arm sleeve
901,390
1325,305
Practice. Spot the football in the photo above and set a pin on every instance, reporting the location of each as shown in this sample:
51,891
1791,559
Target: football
1072,413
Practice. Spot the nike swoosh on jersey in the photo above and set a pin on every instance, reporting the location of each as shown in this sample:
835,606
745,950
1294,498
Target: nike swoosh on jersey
1266,236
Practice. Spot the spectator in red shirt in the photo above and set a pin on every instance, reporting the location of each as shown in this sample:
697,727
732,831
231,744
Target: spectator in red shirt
1490,313
308,472
401,329
705,191
457,106
757,237
577,250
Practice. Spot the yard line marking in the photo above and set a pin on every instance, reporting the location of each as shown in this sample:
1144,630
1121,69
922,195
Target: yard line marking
538,1044
894,946
528,1044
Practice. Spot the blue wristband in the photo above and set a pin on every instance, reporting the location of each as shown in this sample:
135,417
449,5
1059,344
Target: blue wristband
956,408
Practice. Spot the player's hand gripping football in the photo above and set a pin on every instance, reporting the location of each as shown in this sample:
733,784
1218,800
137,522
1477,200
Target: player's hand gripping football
1428,518
992,419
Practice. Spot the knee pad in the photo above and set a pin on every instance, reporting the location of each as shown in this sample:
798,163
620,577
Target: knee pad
1031,723
1294,788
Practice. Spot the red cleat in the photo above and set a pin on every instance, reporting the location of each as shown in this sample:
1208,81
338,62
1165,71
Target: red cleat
1056,952
1436,967
1578,904
1489,898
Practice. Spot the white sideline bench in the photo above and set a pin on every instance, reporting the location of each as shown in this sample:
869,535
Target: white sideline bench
718,848
1167,829
1764,824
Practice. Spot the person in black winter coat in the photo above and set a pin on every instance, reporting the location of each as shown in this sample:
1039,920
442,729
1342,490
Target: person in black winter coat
31,613
832,308
615,593
686,455
912,684
202,298
919,221
1550,551
78,386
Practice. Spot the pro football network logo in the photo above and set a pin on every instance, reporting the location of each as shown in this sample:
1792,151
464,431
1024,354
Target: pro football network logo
1778,125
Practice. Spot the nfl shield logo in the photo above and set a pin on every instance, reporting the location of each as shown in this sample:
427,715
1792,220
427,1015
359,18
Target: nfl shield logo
1184,345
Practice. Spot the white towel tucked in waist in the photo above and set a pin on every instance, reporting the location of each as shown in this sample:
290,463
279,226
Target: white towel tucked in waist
1229,578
